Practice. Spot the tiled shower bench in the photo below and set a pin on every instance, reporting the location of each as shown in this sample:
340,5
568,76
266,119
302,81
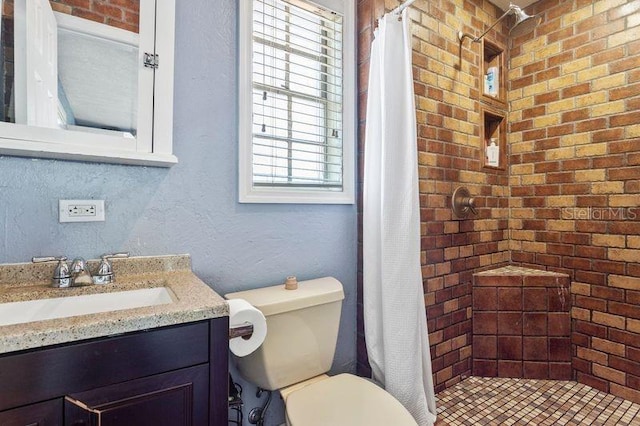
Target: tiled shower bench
521,324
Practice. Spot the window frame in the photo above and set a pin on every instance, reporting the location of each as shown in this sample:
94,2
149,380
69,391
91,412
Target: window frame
250,193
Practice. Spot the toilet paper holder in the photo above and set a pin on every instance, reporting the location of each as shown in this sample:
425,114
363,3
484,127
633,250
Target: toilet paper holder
244,330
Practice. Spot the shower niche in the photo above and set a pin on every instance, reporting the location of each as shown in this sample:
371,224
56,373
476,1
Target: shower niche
494,142
492,80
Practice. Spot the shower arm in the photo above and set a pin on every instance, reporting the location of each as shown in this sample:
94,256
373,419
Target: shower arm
461,35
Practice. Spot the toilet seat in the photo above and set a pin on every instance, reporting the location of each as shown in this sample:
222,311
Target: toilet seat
345,400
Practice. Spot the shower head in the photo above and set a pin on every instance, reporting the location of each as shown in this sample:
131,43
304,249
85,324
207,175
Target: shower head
524,24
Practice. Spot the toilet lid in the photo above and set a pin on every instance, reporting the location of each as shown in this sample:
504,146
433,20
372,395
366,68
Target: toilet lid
345,400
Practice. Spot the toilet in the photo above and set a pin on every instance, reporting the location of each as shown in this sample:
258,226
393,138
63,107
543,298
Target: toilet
302,331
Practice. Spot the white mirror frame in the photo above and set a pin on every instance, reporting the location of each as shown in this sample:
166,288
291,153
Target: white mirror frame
152,147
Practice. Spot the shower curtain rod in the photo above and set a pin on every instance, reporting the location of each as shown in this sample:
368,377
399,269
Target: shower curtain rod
398,10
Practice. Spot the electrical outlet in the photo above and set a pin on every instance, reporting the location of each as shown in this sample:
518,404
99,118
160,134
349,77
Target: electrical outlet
78,210
81,211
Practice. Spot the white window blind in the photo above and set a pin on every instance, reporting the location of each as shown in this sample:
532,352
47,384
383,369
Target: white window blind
297,96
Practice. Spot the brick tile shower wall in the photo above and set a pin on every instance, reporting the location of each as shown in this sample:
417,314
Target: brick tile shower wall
446,83
575,175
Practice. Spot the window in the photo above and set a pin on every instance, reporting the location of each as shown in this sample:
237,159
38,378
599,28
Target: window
297,102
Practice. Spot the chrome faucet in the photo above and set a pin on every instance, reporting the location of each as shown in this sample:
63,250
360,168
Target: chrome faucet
105,275
80,274
61,275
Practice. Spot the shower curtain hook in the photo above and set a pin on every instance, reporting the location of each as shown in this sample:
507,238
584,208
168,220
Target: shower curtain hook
403,5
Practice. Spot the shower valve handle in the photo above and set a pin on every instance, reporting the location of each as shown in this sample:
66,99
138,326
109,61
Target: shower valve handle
470,202
462,203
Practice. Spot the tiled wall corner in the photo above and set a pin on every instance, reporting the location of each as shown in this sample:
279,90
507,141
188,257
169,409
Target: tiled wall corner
569,201
575,170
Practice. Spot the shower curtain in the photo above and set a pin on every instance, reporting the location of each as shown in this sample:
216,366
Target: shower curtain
394,311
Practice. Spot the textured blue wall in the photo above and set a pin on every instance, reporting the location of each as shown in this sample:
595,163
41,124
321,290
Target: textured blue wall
192,207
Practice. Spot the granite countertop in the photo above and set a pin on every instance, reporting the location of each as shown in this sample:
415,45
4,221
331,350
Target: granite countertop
26,281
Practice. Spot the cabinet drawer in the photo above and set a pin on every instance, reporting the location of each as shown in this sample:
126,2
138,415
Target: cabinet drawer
48,413
48,373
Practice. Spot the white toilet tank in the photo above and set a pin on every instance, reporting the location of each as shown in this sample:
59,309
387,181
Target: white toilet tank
302,330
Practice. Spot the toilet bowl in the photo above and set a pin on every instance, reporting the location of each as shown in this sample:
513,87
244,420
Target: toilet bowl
344,399
302,331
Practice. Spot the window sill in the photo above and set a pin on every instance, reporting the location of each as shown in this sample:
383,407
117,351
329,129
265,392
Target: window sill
280,196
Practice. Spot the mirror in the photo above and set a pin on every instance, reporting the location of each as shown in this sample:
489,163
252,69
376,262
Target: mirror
88,80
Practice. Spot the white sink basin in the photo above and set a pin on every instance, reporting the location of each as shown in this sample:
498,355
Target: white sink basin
62,307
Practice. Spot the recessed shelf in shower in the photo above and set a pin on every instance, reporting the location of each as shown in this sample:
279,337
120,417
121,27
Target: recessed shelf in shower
492,80
494,129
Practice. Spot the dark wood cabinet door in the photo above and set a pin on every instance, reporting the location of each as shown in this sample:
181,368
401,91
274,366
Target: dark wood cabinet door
177,398
53,372
48,413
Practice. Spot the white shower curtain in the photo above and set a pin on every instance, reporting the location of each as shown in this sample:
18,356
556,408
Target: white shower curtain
394,311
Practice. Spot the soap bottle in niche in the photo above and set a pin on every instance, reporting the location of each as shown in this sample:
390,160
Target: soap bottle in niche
493,154
492,81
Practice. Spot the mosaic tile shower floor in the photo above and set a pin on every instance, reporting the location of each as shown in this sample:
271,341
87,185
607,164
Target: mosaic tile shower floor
500,401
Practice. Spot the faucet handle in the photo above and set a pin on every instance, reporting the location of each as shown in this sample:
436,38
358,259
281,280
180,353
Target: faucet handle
48,259
115,255
61,275
105,267
105,270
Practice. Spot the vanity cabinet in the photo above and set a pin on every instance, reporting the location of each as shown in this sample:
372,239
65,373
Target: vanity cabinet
170,376
177,398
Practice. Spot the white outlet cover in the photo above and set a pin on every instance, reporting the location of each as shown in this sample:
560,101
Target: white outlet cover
66,207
